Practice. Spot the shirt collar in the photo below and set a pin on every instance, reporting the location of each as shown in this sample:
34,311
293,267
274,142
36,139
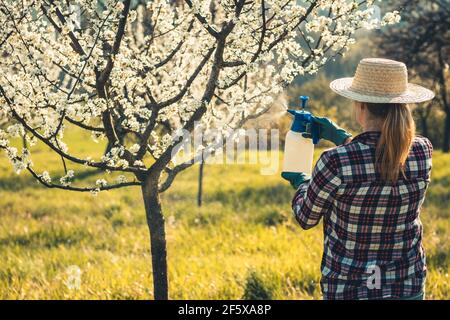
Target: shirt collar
368,137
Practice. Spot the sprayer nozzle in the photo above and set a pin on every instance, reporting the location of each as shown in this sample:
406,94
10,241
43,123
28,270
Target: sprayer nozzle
291,112
304,100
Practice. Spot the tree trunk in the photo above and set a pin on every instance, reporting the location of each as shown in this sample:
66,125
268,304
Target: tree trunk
424,126
443,92
446,146
155,222
200,183
423,113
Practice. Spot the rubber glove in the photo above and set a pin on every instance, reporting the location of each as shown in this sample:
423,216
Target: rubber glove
329,130
295,178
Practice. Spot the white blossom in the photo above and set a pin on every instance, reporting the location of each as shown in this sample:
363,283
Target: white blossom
134,148
121,179
101,183
66,179
160,76
391,18
46,177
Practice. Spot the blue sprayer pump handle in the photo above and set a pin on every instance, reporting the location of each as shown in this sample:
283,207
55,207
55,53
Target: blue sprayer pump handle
304,101
304,118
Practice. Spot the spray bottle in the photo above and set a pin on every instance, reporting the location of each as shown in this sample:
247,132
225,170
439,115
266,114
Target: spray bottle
298,150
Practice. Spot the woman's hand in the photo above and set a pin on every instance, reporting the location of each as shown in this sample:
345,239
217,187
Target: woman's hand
295,178
330,131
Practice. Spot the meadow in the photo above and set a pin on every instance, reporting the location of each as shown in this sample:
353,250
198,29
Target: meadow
242,243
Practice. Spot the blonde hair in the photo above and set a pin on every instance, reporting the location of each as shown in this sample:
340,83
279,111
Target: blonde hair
397,134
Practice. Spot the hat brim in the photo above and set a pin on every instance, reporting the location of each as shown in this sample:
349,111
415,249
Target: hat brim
413,94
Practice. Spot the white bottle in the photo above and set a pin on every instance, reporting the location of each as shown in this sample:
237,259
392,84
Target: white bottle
298,150
298,153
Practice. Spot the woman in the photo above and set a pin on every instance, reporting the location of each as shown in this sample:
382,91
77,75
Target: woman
369,189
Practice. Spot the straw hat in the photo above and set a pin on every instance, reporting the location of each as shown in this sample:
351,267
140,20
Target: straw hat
381,81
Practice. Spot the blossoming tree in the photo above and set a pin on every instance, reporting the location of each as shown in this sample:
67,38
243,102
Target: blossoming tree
135,76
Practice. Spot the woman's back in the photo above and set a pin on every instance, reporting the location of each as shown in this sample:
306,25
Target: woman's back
375,225
373,234
369,191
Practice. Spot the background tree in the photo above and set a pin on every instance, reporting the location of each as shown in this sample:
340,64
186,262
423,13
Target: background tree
141,81
422,41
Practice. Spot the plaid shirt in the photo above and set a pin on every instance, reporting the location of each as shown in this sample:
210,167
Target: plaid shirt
372,229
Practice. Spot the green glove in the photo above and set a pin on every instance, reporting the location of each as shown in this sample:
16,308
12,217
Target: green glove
295,178
329,130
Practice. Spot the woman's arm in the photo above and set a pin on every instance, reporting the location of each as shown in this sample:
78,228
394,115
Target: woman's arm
314,198
348,140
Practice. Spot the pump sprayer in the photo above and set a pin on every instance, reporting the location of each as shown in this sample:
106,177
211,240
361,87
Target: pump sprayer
298,150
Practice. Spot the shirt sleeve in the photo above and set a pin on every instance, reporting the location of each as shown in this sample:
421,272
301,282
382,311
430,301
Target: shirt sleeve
314,198
428,159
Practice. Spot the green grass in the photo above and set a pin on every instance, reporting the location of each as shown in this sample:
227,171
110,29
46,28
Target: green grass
242,243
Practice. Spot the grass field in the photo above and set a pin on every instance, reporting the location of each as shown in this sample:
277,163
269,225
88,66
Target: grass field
242,243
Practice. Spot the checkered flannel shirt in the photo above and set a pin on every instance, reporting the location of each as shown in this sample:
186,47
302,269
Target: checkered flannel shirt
372,231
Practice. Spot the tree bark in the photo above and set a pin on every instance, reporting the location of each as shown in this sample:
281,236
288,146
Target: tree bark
443,92
200,182
155,222
424,114
424,126
446,145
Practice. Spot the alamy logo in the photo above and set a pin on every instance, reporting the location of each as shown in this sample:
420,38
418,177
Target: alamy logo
241,146
374,280
73,280
375,18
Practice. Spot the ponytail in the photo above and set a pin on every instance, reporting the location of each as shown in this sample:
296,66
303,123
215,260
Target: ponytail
397,134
